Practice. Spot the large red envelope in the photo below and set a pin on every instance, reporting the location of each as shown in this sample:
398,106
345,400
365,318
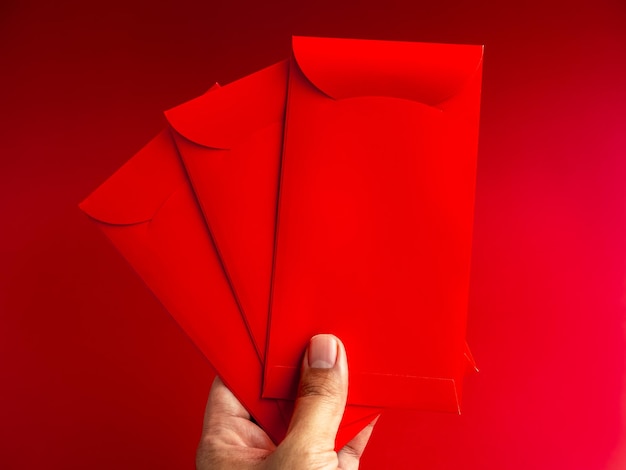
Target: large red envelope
150,214
375,216
230,141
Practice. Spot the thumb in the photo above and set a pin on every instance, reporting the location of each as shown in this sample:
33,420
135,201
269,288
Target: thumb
322,393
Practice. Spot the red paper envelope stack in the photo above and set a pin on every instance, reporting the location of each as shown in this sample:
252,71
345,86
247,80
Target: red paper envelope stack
332,192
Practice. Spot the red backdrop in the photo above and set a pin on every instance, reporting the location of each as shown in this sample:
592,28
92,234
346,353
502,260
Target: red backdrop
95,374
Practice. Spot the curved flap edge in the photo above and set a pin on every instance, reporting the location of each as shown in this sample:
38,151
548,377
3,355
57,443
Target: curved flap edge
222,116
135,192
425,72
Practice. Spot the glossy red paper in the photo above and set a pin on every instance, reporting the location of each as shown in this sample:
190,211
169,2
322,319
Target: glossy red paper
375,216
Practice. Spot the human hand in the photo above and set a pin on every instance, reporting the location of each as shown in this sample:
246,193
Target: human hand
230,440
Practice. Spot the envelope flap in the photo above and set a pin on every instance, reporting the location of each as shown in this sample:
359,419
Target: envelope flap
423,72
223,116
140,187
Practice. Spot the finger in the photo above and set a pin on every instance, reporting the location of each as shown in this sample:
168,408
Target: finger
350,455
222,404
322,393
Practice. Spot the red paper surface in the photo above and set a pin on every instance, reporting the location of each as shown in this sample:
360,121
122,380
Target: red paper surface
150,214
230,141
375,216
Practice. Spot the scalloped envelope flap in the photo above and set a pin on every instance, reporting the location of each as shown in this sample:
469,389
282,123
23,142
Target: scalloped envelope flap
140,187
347,68
221,118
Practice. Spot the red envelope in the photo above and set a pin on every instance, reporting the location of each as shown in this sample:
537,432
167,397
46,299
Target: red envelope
230,141
150,214
375,216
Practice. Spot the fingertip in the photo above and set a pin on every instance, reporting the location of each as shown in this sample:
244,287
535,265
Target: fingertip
322,352
325,351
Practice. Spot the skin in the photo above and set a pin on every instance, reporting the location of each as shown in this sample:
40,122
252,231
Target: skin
230,440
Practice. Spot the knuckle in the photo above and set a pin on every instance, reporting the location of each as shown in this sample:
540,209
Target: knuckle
299,453
319,385
352,452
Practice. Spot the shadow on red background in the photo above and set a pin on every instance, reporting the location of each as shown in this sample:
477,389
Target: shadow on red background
94,373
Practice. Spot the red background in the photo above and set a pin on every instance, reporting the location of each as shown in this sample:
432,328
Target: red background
95,374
